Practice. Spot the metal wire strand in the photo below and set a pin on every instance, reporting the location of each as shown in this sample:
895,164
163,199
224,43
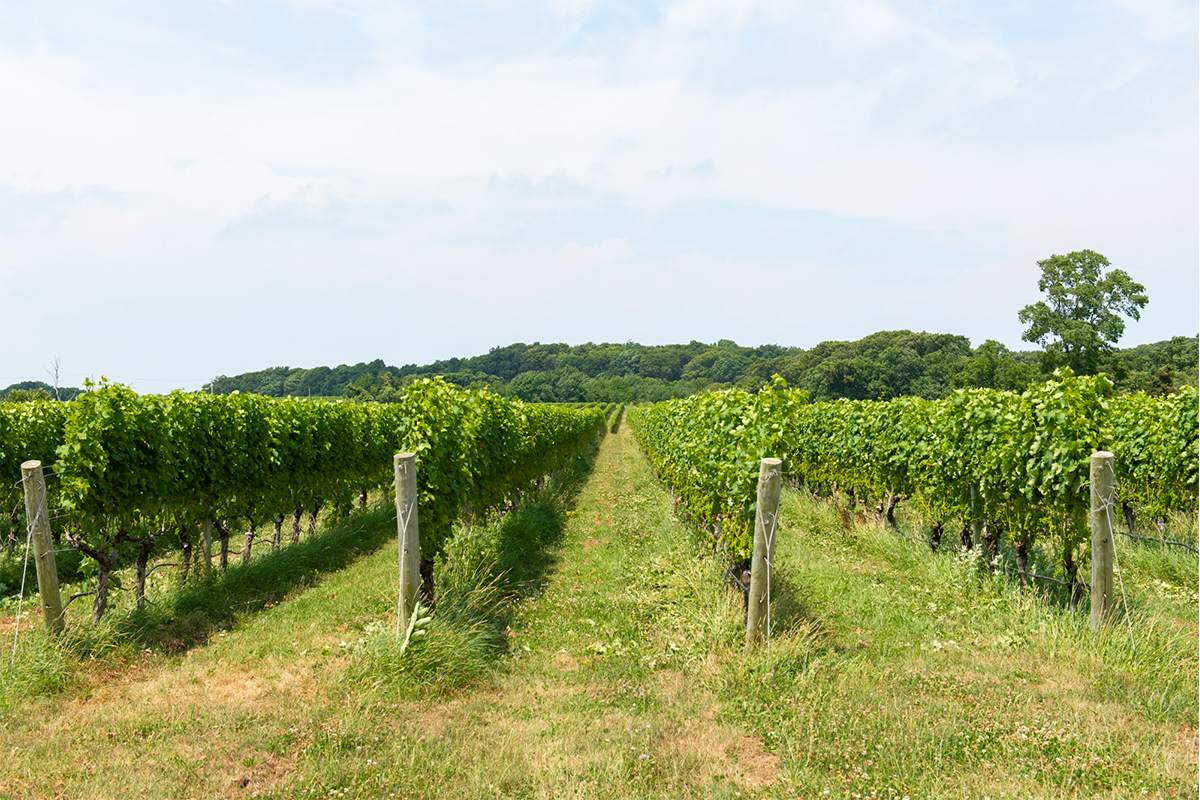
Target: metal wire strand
21,596
1106,505
404,517
1157,541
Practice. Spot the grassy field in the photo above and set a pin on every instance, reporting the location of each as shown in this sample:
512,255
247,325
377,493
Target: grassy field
586,645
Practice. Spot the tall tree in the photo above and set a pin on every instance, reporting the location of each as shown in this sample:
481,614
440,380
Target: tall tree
1080,320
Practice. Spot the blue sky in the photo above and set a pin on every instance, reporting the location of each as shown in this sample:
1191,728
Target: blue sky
190,189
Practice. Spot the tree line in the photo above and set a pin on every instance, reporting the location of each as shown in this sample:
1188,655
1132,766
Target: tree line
883,365
1078,325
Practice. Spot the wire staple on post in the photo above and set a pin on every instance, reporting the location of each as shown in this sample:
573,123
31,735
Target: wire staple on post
1107,506
405,518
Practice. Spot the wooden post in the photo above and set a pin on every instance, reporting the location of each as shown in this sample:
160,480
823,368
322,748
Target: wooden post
206,541
1102,537
976,522
758,612
250,534
37,514
408,539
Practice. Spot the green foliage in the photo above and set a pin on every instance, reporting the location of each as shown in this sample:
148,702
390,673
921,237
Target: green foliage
37,390
27,395
1159,368
1159,453
883,365
994,366
1026,456
418,625
28,432
880,366
708,447
130,464
1082,320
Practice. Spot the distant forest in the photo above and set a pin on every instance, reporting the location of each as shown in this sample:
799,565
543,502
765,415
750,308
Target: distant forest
38,390
881,366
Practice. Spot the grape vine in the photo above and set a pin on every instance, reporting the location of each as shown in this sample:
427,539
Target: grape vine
1018,460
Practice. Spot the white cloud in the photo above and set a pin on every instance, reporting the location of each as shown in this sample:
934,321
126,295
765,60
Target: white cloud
106,229
454,152
575,258
1162,20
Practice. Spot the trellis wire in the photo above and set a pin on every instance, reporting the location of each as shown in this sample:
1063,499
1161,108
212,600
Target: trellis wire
21,597
1157,541
1106,505
401,535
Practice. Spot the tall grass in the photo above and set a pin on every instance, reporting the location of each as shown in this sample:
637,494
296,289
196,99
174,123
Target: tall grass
488,567
937,675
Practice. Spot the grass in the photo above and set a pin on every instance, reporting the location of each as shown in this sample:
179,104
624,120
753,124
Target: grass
932,677
585,645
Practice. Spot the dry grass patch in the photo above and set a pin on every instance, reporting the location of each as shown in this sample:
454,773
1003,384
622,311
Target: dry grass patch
565,661
700,750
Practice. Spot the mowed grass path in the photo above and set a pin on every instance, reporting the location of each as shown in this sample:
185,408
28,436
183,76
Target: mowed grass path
600,690
605,693
612,668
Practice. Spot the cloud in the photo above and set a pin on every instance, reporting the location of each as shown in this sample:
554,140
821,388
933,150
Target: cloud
507,158
584,259
1162,20
693,174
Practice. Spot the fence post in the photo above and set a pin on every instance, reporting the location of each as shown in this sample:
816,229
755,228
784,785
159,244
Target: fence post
766,518
37,516
408,540
1102,537
206,540
976,522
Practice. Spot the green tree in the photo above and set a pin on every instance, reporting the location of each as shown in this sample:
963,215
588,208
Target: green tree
1081,321
661,363
27,395
992,366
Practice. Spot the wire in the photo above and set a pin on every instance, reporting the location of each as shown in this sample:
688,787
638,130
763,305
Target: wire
404,517
1106,504
1156,541
21,597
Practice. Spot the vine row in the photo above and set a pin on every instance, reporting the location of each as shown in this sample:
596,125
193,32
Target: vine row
1020,461
129,466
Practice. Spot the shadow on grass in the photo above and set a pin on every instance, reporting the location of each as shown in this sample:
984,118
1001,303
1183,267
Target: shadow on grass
488,568
524,558
792,609
529,534
16,571
198,608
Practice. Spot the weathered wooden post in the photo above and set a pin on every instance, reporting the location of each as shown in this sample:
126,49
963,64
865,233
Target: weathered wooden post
37,514
1102,537
976,522
206,541
408,540
766,518
251,532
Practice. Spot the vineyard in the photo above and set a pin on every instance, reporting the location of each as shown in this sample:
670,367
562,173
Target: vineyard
1016,462
587,638
129,468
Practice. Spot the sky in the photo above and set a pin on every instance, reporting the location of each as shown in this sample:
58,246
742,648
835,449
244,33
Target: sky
204,188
